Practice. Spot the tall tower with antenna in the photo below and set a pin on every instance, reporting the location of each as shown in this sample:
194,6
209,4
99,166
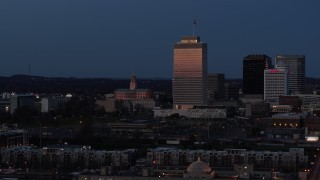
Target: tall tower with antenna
189,86
194,22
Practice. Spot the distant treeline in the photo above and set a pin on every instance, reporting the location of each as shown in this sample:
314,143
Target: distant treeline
38,84
49,85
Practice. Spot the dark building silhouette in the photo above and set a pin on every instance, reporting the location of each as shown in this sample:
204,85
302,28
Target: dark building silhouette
215,86
231,91
21,100
253,73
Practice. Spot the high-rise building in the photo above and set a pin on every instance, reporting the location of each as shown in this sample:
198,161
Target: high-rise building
231,91
21,100
296,71
253,73
275,84
215,86
189,85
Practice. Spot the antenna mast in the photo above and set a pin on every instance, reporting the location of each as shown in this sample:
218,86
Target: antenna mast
194,22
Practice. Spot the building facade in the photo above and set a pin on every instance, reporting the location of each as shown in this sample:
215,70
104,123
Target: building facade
13,138
189,85
135,97
231,91
287,126
292,160
65,157
253,73
194,113
108,104
275,84
215,86
293,101
296,71
51,103
21,100
133,92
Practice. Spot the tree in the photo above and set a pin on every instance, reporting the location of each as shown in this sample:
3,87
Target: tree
100,111
24,115
83,106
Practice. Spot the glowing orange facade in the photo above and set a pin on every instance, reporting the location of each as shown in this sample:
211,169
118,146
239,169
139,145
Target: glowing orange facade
133,93
190,73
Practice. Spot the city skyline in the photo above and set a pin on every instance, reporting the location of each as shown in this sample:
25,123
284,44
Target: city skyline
116,38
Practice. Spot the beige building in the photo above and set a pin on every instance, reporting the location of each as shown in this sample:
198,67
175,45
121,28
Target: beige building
108,103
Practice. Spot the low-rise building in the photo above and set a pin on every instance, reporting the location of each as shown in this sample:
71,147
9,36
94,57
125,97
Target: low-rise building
66,157
13,138
108,104
312,128
293,160
293,101
259,109
281,109
308,99
197,112
288,126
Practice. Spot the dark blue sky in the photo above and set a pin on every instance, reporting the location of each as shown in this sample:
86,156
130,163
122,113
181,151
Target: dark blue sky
113,38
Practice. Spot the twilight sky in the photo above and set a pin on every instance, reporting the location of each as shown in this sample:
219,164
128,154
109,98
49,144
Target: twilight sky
113,38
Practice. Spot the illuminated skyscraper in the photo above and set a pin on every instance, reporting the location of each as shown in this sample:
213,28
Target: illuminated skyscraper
189,86
296,71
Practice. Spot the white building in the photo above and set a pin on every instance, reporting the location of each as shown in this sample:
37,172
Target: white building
275,84
5,95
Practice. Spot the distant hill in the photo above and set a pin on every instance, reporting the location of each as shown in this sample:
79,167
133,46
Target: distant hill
37,84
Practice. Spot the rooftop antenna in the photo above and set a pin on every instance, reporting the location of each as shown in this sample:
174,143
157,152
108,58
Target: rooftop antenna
29,78
194,22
